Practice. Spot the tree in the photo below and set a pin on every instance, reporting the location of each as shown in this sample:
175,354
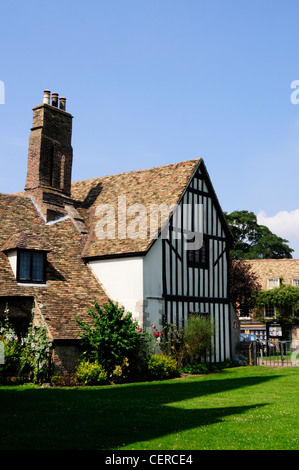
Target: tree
243,285
254,241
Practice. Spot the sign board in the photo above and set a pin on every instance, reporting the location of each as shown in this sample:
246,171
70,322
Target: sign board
275,330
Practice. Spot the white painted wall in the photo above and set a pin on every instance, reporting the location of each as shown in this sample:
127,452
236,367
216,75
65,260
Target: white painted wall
12,257
122,279
135,283
152,284
153,270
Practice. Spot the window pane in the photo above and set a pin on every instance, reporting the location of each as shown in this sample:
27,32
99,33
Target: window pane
37,266
203,252
24,266
273,282
199,258
270,311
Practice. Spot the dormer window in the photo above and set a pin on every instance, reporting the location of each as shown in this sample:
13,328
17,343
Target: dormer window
31,266
27,255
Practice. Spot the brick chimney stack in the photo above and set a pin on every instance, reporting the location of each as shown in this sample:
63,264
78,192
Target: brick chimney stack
50,156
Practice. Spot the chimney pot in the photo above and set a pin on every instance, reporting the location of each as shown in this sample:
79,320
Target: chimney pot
55,99
47,94
62,103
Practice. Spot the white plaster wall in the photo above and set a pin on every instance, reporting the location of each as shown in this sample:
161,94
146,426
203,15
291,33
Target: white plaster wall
12,256
153,270
122,279
153,286
135,283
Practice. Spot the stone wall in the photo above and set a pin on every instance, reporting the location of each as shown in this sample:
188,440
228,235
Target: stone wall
66,356
286,269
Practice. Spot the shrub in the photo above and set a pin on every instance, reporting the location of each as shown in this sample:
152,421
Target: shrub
121,372
12,351
196,369
91,373
161,367
35,351
198,335
61,379
189,342
25,358
112,337
170,341
206,367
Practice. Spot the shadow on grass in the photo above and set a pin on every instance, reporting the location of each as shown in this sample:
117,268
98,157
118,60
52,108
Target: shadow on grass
110,417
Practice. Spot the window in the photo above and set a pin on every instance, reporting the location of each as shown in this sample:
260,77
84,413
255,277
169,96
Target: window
270,311
244,311
199,258
31,266
261,334
296,281
273,282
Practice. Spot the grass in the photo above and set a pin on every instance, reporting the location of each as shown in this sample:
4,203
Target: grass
245,408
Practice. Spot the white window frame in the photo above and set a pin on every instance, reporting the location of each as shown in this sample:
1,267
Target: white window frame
271,280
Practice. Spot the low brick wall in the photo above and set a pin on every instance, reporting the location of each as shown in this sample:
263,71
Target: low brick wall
66,356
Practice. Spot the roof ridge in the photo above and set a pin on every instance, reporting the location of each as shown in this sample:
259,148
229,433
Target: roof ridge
192,160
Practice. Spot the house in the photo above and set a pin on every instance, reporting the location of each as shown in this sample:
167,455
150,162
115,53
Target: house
154,240
271,273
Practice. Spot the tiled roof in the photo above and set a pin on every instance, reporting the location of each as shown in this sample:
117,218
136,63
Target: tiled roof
160,185
26,240
71,285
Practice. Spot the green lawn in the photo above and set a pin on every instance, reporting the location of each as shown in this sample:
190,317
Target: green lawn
242,408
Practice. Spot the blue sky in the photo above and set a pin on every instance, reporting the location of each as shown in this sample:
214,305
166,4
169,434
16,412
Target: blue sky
161,81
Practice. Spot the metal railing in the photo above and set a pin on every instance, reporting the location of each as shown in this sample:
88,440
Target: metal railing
275,353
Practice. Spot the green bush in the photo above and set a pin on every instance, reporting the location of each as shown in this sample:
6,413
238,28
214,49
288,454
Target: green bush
206,367
35,351
113,337
91,373
161,367
121,372
198,335
196,369
63,380
26,358
12,351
